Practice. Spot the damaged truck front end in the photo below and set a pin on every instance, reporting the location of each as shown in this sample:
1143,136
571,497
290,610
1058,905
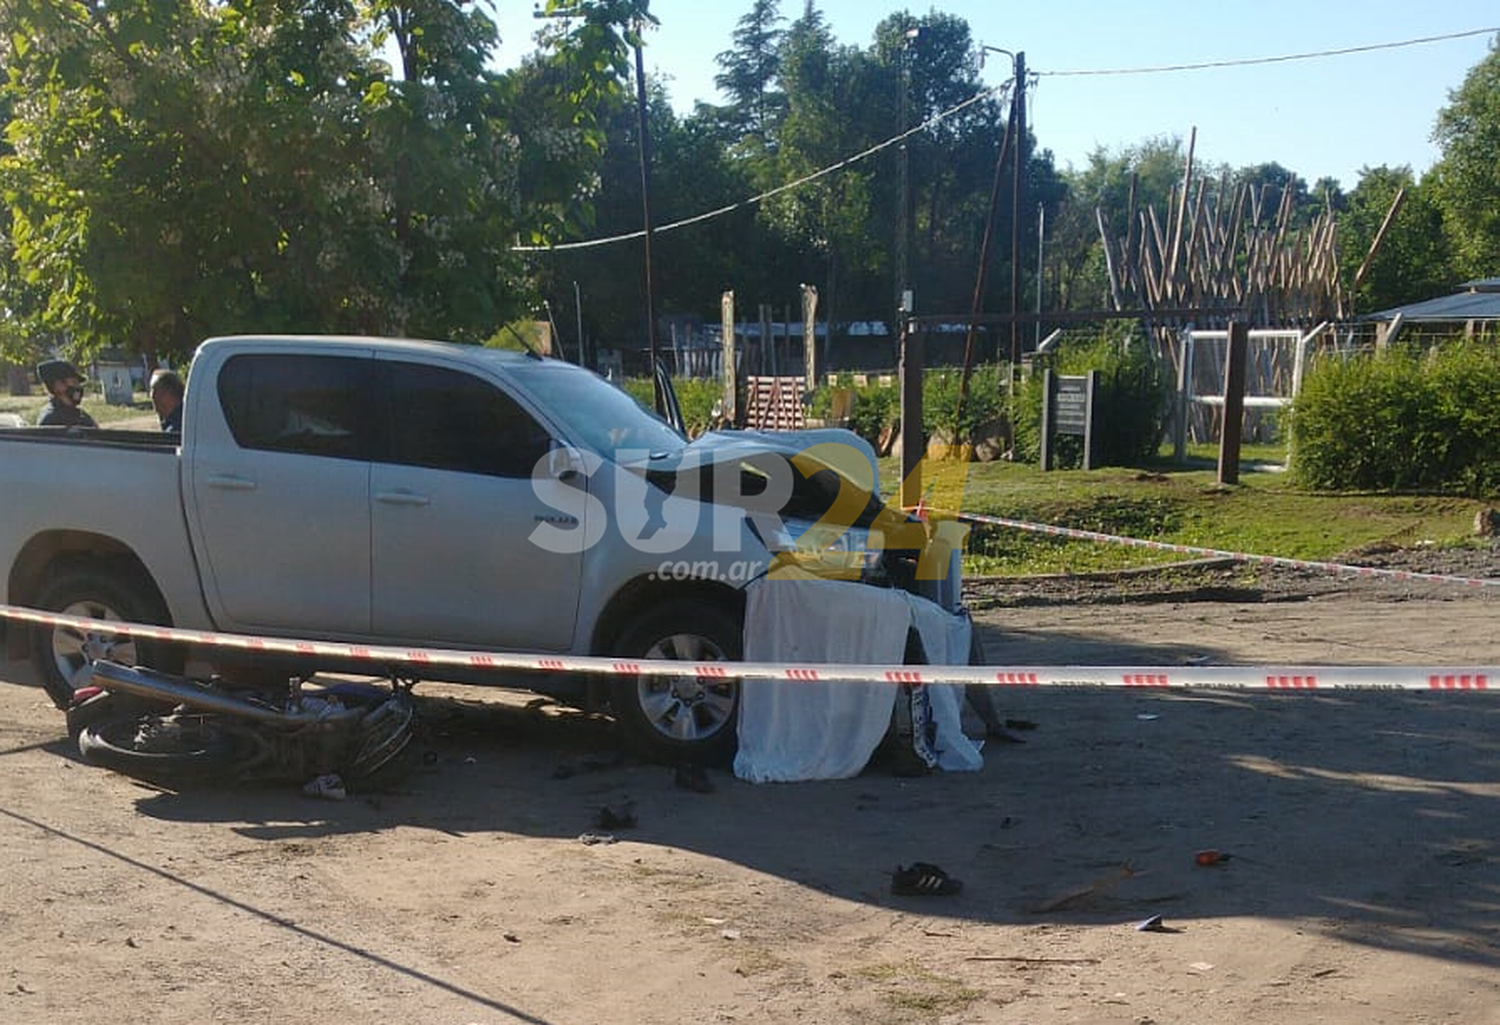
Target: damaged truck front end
810,507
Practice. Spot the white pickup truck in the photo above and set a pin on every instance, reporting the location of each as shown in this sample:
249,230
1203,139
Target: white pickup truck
396,492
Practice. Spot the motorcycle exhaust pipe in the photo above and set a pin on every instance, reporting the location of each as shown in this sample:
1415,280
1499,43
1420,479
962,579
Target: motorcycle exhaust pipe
173,690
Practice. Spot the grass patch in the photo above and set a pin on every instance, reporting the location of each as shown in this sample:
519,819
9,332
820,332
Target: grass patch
756,960
1264,515
680,880
29,407
911,990
1206,453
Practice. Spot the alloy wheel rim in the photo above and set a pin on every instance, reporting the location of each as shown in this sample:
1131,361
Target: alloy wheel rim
686,708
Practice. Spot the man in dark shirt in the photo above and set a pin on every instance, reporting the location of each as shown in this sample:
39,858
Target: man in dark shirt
65,386
166,396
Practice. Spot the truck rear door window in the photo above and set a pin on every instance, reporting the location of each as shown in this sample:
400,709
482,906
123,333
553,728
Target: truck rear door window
445,419
311,405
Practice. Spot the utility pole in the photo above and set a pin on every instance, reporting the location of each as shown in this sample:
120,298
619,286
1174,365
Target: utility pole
909,345
1041,242
1018,190
903,226
984,249
645,147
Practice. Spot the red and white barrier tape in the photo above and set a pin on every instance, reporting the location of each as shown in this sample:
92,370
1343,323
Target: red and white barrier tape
1217,553
1277,678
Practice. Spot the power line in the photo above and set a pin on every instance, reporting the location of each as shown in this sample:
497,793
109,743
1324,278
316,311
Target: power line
1285,58
814,176
1000,89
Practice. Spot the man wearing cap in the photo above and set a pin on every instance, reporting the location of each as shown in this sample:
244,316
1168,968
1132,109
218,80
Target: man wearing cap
65,386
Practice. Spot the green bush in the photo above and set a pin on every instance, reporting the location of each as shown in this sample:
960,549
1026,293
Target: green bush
1130,406
1401,420
985,402
640,389
876,407
696,396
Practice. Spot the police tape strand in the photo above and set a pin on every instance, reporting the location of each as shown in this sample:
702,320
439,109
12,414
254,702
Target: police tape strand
1273,678
1217,553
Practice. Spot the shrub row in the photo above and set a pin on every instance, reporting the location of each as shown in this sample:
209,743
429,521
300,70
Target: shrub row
1401,420
1129,406
696,396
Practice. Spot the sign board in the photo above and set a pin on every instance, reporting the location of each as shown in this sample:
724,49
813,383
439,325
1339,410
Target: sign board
1068,408
1070,405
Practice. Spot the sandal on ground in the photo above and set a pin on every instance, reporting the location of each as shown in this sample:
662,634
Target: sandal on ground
921,879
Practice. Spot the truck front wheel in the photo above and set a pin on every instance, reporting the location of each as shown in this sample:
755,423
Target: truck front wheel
680,718
61,653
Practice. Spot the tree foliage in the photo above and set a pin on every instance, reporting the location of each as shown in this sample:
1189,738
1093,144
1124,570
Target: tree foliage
180,170
1412,262
1467,178
171,171
748,74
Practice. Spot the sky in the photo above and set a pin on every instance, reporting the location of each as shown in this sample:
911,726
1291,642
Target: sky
1325,117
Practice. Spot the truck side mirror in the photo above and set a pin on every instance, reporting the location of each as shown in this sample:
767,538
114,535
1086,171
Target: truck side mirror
564,462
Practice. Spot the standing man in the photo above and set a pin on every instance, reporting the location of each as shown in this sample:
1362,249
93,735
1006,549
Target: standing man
166,396
64,385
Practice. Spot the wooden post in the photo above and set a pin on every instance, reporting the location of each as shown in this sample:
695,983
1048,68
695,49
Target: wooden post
1049,396
810,335
912,445
1234,403
1184,398
1090,389
731,382
767,343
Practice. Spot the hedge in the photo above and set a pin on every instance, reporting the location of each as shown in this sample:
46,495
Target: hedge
1400,420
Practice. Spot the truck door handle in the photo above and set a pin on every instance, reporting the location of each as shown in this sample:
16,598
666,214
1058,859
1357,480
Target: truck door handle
402,497
230,482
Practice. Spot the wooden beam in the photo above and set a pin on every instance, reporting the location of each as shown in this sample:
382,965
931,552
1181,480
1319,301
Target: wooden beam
1385,225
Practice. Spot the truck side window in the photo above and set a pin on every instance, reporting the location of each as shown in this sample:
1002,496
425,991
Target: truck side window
311,405
448,420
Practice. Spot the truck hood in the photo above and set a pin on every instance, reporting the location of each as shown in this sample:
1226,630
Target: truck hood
843,452
822,464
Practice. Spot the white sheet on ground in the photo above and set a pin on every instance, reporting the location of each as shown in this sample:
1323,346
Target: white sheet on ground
791,731
825,730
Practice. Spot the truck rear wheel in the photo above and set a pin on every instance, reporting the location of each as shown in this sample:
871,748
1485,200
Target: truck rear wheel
680,718
61,653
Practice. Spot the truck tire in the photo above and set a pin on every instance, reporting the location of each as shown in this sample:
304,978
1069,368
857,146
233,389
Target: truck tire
680,719
60,653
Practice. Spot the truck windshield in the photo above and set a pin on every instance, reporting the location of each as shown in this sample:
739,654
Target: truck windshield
599,415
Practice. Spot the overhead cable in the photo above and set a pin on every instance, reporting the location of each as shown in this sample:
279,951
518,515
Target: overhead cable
1248,61
823,172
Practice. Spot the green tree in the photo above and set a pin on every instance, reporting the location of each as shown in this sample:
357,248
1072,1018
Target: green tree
1412,262
437,144
1143,175
1329,192
1466,179
1269,184
748,72
179,170
827,221
20,301
691,172
952,162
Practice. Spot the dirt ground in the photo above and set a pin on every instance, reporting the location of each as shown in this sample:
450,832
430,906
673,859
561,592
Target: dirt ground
1363,828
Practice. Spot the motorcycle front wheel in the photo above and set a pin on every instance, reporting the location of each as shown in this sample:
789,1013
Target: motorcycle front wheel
175,749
